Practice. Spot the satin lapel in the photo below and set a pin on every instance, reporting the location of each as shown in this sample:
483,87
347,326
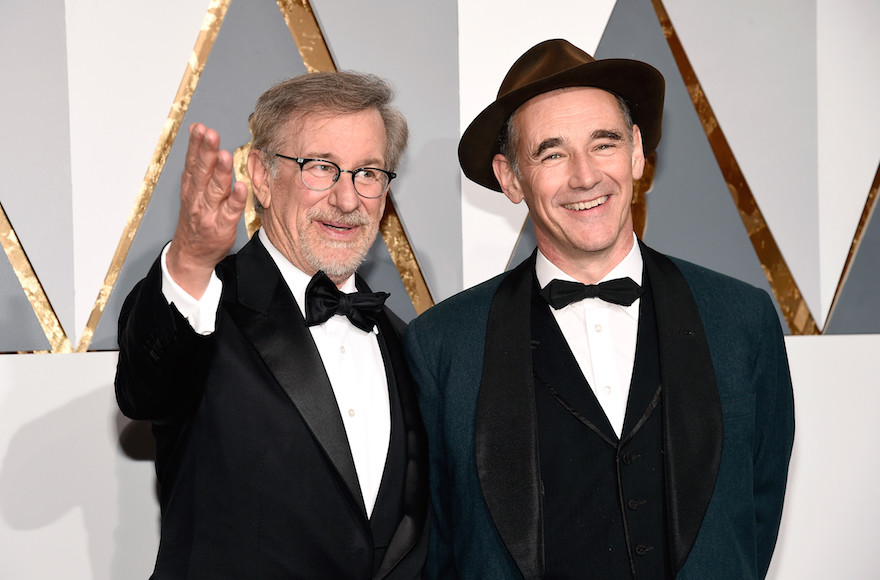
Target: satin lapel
505,432
415,491
692,423
269,317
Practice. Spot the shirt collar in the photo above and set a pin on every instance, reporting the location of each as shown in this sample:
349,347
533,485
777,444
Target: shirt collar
296,279
631,266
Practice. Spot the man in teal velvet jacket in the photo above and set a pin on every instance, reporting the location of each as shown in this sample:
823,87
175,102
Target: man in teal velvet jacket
602,410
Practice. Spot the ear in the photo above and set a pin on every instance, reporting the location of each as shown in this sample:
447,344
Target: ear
259,174
507,178
638,154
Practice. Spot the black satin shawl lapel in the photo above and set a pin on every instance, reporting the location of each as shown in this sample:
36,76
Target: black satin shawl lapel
505,437
415,494
269,317
692,423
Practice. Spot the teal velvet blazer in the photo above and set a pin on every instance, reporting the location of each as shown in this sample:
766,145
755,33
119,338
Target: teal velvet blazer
728,424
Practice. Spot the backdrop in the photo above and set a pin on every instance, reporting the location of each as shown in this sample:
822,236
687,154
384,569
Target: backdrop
767,171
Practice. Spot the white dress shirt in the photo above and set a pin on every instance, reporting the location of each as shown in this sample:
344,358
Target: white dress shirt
601,335
351,357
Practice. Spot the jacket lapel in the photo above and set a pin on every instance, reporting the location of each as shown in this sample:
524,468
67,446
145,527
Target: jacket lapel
270,319
692,423
505,438
415,487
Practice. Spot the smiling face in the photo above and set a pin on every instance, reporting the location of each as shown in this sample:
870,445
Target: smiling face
577,163
328,230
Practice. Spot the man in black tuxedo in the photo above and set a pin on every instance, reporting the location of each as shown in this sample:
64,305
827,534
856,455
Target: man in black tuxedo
602,410
289,442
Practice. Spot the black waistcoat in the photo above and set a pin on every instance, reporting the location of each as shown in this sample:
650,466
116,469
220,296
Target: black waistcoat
388,509
603,497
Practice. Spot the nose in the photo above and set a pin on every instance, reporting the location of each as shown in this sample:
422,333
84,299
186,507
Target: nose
343,194
584,173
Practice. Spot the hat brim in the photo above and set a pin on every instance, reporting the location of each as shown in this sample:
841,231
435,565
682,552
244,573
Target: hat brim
640,84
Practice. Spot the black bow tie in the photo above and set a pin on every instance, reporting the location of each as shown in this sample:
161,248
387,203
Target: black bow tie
323,300
561,293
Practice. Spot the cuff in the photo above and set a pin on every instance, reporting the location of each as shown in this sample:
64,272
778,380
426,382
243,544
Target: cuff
201,314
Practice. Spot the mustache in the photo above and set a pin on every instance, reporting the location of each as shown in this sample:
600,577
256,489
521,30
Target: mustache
333,215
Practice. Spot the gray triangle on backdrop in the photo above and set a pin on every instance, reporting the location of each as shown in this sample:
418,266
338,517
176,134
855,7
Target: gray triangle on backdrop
36,189
253,50
525,245
20,331
690,212
856,311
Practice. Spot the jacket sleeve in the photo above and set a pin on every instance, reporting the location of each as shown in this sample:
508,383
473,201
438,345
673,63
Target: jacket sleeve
774,431
162,361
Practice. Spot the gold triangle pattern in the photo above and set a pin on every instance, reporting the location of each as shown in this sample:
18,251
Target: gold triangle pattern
304,28
867,212
32,287
788,295
316,56
307,34
198,58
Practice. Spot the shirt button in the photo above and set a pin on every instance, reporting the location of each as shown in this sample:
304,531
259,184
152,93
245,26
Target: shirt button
351,412
607,390
598,328
341,350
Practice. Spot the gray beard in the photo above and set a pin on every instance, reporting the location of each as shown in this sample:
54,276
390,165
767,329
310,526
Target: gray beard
335,269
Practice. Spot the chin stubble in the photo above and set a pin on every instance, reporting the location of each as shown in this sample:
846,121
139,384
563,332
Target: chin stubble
330,264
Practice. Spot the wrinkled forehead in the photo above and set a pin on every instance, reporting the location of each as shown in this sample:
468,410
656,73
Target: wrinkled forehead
358,136
569,111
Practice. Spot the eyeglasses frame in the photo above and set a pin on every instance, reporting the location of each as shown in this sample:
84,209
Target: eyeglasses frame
301,161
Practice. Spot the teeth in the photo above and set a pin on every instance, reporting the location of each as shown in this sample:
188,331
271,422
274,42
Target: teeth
587,204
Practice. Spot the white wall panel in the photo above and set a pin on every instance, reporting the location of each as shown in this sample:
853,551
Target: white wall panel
829,523
848,50
72,504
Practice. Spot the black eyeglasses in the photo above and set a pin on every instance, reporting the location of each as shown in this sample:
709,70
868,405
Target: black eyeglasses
320,175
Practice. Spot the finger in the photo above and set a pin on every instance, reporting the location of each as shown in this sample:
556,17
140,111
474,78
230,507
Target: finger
219,185
201,159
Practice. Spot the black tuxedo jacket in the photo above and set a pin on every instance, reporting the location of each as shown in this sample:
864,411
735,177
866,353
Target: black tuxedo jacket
728,424
255,472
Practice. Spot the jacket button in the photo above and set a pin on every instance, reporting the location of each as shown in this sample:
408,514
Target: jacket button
627,459
642,550
634,504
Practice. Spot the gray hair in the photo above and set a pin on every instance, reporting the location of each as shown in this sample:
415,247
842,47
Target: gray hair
341,92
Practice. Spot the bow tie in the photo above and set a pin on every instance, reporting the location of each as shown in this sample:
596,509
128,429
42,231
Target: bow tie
561,293
323,300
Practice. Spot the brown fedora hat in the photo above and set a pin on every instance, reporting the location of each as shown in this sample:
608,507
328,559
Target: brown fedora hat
556,64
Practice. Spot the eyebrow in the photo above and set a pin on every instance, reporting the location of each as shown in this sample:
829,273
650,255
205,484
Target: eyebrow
606,134
547,144
552,142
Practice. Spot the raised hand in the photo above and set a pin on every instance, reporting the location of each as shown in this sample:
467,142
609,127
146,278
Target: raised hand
210,207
